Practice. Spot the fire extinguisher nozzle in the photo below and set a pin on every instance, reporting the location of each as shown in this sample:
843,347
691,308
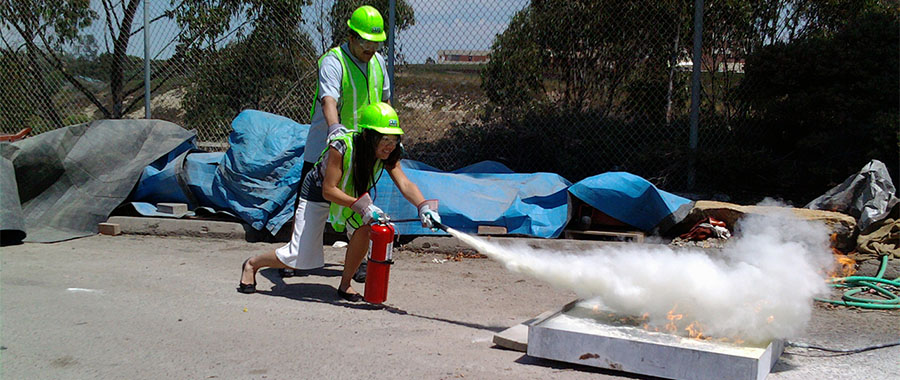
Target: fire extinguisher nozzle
439,225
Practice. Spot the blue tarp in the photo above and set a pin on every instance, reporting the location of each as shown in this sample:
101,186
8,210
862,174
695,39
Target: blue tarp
486,193
258,177
628,198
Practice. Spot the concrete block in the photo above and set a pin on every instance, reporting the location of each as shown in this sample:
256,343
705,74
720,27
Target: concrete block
491,230
516,337
172,208
181,227
632,236
111,229
592,338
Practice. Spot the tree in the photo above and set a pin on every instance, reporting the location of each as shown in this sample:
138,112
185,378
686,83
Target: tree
51,30
590,67
266,63
44,26
833,92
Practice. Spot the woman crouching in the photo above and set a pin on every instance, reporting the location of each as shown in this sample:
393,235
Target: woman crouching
338,186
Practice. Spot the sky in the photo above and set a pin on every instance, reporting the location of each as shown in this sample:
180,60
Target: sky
440,24
455,24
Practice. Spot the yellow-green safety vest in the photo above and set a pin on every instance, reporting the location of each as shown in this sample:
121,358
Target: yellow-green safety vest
357,90
339,215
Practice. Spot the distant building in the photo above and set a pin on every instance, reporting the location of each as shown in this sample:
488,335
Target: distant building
464,56
721,59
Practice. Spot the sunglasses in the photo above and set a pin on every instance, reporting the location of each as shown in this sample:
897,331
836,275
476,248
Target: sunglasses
388,140
369,45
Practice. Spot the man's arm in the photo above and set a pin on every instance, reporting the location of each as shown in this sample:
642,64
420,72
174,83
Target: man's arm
333,172
329,108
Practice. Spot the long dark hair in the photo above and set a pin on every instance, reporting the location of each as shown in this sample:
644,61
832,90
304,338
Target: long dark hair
364,145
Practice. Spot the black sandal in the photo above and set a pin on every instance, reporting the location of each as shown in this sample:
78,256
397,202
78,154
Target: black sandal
352,297
246,288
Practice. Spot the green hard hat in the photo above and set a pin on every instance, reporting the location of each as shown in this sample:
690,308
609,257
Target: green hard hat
380,117
367,21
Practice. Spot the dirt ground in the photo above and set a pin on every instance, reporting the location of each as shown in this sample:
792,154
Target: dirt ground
145,307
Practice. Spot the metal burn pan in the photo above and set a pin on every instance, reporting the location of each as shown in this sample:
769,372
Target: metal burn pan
581,335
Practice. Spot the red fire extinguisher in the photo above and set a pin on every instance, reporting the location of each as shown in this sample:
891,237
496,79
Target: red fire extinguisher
381,244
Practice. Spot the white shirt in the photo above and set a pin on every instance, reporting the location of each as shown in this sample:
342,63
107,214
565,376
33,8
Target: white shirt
330,76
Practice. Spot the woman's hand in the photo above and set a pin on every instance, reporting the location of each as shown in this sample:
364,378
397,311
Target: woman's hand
369,211
428,213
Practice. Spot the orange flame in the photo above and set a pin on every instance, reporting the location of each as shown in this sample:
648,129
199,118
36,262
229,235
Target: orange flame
844,265
672,317
695,330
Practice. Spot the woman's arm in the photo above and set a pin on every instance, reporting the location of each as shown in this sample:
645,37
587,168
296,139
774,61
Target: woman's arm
334,169
409,189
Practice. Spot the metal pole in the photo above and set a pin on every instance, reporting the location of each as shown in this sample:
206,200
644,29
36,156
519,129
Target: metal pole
391,14
695,89
146,61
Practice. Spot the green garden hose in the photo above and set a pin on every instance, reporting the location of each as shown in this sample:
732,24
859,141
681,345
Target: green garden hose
858,284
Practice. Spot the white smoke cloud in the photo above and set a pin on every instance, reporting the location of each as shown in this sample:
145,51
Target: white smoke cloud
758,288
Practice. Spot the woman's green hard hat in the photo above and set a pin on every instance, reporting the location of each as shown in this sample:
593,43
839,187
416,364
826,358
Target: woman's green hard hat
367,21
380,117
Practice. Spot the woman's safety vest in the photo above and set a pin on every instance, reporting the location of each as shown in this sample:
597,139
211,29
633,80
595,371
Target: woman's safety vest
339,215
357,89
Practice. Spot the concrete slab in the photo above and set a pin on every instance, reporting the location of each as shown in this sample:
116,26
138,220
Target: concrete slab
578,334
180,227
516,337
139,225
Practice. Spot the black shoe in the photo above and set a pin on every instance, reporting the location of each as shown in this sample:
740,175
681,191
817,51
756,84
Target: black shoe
287,272
360,275
246,288
352,297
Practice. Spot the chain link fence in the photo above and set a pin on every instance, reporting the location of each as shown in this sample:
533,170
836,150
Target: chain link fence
572,87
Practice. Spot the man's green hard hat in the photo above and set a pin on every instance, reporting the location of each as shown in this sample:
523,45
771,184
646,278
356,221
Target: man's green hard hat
380,117
367,21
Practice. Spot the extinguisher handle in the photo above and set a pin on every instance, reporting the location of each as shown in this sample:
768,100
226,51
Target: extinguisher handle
386,262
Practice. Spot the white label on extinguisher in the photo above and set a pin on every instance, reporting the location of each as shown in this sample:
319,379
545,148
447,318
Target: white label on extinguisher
390,249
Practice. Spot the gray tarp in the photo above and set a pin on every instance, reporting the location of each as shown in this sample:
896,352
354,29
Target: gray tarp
70,179
867,196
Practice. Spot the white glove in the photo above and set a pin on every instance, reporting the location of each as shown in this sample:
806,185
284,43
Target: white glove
368,210
428,213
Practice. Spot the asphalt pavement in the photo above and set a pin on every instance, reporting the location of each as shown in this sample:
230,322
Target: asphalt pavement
165,306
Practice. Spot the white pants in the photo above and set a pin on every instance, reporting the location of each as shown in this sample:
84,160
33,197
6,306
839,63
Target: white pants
305,250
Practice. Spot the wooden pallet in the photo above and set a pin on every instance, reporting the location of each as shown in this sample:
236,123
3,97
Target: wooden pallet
630,236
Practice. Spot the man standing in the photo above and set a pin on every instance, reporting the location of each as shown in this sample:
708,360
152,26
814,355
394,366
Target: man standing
351,76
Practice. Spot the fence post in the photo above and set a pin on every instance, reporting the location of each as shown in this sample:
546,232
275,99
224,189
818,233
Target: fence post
391,15
146,60
695,90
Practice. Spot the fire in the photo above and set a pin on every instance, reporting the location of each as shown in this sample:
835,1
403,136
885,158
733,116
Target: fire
844,264
676,325
695,330
672,317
